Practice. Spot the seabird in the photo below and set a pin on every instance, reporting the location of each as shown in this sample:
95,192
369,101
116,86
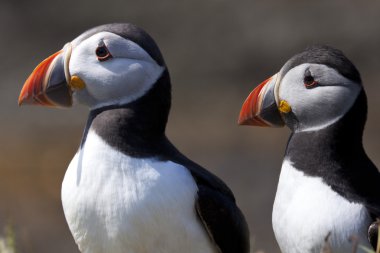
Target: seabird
327,185
128,189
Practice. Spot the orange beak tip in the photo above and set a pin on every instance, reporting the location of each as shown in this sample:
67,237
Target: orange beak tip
243,121
22,99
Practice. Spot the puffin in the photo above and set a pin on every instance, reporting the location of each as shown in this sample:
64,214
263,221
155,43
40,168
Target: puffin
328,189
128,189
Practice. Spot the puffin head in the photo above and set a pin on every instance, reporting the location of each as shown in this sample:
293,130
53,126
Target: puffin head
313,90
109,65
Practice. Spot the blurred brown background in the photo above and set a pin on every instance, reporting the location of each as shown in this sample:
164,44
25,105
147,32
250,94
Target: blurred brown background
216,50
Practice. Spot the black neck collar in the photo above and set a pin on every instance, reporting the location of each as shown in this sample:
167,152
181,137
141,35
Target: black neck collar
136,128
336,155
321,152
341,138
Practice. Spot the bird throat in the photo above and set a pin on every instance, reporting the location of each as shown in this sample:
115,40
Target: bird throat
137,128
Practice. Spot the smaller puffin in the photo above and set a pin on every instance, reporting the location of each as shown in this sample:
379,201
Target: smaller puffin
327,185
128,189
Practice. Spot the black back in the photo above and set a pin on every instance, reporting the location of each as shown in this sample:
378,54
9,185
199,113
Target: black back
373,233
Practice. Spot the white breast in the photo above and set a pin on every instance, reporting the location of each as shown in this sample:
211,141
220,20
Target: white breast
306,210
116,204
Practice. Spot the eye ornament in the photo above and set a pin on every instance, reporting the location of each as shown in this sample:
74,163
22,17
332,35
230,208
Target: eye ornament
309,80
102,53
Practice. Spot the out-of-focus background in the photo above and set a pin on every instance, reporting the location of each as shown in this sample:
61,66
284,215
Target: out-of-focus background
216,51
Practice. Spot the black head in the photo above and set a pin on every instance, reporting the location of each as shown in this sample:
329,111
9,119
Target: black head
325,55
129,32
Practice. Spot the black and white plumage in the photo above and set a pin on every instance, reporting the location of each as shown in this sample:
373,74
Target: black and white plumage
327,182
128,189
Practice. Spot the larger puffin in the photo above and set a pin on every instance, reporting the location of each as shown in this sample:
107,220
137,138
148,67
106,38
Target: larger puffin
328,188
128,189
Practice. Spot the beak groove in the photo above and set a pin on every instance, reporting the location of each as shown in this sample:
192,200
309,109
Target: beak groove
251,106
260,108
33,90
47,84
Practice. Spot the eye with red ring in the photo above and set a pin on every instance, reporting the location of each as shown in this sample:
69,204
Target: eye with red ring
102,53
309,81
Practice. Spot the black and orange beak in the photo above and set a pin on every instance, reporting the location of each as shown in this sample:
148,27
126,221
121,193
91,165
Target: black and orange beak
260,108
47,85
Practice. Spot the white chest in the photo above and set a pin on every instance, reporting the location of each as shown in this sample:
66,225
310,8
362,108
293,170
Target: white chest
306,210
116,204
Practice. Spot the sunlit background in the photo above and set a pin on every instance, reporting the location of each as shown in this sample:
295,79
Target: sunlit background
216,51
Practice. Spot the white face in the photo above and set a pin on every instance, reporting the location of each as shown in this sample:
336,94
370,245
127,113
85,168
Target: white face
124,77
322,105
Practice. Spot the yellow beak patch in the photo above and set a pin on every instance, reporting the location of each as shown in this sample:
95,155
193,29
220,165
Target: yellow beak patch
284,107
76,83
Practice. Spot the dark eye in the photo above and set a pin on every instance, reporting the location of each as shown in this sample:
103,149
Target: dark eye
308,80
102,53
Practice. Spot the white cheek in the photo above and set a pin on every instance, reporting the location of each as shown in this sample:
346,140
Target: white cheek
326,106
119,80
322,106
